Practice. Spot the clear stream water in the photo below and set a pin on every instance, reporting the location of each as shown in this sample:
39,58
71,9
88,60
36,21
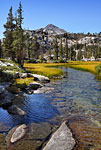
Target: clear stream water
76,98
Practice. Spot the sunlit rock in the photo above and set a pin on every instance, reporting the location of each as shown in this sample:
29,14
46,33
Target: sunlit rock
41,78
61,140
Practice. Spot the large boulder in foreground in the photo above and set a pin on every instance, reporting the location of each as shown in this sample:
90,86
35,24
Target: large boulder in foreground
18,133
16,110
61,140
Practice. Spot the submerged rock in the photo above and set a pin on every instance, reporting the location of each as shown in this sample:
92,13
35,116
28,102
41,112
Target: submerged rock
18,133
34,85
61,140
6,98
2,142
35,135
16,110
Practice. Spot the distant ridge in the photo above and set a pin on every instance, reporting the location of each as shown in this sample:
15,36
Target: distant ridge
50,29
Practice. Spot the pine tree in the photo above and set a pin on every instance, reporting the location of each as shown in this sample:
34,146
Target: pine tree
49,53
79,56
61,50
41,54
66,49
8,40
19,42
19,17
56,50
36,47
72,53
28,46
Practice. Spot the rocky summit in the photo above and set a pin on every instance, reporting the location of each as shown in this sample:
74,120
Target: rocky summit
52,29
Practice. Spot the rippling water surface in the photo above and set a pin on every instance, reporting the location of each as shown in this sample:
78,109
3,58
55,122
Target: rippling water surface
76,98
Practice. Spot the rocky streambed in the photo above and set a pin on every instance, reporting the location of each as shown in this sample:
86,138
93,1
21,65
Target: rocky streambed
75,99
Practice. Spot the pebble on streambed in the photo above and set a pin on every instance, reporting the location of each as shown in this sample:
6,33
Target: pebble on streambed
18,133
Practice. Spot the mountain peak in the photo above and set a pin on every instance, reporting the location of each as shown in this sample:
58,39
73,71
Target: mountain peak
52,29
50,26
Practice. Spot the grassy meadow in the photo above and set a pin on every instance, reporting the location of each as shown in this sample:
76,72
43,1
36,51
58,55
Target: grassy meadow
44,69
47,70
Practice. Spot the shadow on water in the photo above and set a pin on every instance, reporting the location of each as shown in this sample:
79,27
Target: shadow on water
38,109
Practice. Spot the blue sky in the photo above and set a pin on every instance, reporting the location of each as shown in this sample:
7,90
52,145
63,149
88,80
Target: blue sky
71,15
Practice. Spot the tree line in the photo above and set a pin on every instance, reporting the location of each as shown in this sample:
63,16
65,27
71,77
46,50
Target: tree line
18,45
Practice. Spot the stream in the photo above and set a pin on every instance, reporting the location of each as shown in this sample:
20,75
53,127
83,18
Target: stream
75,98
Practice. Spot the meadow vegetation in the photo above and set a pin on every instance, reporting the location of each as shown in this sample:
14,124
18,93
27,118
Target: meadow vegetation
23,83
50,71
44,69
93,67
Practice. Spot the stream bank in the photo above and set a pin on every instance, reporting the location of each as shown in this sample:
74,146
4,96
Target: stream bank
75,98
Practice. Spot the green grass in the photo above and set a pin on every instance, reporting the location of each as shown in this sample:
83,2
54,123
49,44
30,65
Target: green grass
44,69
49,70
98,69
23,83
93,67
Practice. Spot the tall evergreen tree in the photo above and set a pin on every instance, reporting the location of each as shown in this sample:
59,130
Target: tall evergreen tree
79,56
72,53
35,47
28,46
8,40
49,53
56,50
20,18
19,43
66,49
61,50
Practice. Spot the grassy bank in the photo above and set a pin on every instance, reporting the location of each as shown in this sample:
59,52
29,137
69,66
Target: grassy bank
44,69
93,67
47,70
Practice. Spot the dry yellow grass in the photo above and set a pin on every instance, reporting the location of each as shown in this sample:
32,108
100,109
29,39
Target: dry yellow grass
44,69
25,80
22,83
86,66
47,70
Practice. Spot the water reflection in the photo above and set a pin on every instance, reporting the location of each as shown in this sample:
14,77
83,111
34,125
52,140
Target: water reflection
79,92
